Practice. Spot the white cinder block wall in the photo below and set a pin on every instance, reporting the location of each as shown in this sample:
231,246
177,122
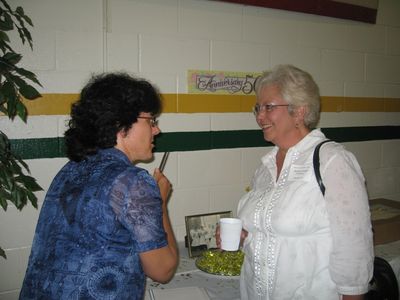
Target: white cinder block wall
160,40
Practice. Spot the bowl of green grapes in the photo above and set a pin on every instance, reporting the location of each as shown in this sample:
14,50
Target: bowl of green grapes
217,262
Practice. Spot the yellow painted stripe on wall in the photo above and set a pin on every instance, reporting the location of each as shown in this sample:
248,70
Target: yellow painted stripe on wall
60,104
392,105
363,104
332,104
170,102
51,104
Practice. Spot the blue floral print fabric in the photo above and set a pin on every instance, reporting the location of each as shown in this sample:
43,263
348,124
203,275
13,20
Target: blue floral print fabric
98,215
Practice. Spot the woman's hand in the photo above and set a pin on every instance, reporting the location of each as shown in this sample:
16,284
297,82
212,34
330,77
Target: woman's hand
163,184
243,236
160,264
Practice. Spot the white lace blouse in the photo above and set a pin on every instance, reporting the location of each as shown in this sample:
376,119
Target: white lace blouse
302,245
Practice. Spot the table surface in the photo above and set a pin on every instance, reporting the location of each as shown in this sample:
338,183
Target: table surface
187,274
225,287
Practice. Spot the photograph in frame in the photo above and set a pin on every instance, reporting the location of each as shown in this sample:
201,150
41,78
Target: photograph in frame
200,231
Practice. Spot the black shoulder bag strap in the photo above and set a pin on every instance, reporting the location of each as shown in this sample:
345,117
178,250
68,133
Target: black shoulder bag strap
383,284
316,166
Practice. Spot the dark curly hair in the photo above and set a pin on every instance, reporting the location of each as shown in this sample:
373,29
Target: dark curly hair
109,103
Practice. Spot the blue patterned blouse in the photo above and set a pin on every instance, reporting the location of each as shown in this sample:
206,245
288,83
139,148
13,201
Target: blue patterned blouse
98,215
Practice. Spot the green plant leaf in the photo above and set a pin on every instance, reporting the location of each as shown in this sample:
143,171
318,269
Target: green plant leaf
18,197
29,92
4,195
4,140
28,182
11,109
17,80
21,12
4,47
22,112
21,162
28,36
6,6
12,58
2,253
14,166
21,35
24,33
5,66
6,22
8,90
3,203
32,198
7,180
27,74
15,186
4,179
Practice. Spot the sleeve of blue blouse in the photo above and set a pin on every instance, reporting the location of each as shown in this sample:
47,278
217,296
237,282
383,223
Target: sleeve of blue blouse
351,259
136,200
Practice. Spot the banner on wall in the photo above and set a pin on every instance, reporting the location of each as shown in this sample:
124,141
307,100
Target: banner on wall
221,82
358,10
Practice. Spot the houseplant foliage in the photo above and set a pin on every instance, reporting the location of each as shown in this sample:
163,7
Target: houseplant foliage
15,183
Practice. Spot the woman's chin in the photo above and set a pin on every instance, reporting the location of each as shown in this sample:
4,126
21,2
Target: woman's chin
267,137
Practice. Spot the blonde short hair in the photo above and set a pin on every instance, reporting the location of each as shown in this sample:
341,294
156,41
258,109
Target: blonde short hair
297,87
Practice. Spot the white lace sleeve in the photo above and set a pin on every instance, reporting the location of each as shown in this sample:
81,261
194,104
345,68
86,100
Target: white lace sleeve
351,260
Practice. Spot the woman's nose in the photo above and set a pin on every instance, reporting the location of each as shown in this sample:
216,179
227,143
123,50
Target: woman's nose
156,130
260,116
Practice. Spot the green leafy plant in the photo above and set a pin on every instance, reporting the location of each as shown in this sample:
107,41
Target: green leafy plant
15,185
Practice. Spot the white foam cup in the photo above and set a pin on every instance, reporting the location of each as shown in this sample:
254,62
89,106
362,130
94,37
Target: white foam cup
230,231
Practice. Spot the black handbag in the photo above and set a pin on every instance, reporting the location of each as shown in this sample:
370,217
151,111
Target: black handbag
383,285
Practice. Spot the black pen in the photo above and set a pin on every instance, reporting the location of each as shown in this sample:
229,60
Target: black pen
163,161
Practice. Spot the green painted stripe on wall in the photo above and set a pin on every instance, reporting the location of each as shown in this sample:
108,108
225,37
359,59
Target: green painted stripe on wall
183,141
38,148
192,141
360,134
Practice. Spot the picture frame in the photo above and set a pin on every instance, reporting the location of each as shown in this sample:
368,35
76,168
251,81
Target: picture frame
200,231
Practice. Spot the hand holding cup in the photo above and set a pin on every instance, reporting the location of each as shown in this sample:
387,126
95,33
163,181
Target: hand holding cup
230,230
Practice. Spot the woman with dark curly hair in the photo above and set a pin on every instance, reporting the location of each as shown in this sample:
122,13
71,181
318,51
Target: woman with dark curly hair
104,224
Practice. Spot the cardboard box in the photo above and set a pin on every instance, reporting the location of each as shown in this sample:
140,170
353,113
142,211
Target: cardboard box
385,216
